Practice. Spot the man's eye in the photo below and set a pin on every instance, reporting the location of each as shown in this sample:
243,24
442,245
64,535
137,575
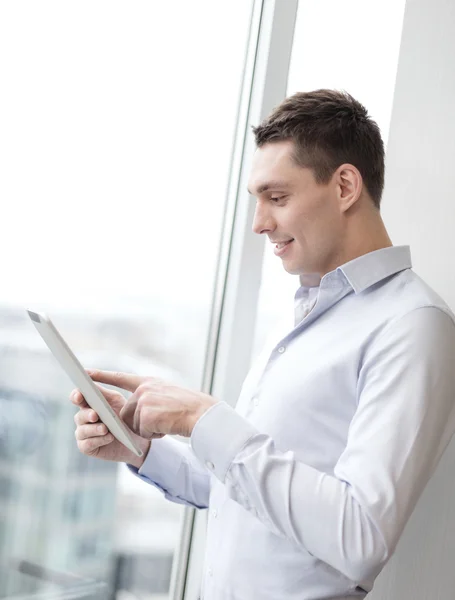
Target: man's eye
277,198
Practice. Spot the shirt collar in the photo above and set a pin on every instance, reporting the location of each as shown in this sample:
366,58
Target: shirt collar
366,270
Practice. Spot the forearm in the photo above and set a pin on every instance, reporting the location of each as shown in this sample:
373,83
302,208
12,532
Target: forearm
312,509
352,519
171,466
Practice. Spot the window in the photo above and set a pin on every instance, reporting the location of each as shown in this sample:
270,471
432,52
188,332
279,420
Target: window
117,123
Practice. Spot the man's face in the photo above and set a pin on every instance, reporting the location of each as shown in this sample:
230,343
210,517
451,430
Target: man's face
294,207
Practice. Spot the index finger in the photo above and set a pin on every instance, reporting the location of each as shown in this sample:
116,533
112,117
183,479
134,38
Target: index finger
125,381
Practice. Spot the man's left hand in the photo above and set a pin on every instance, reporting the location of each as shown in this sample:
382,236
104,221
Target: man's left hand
156,406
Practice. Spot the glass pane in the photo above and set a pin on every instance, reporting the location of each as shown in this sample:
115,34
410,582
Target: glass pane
335,46
117,121
351,45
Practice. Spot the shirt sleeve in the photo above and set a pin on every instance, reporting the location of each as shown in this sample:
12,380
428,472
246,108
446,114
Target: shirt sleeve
171,467
351,520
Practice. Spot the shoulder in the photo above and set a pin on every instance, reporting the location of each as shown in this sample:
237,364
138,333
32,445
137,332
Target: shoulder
409,321
406,297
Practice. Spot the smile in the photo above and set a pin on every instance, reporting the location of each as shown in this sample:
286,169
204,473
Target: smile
283,244
282,247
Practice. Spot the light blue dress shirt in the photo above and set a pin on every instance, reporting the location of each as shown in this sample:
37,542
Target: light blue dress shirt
340,424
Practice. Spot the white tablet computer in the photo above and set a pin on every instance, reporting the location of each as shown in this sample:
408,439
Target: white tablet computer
81,380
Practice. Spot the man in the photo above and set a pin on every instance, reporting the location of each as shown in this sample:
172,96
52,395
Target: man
344,417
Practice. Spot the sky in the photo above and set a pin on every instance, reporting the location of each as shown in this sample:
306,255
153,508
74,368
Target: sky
116,133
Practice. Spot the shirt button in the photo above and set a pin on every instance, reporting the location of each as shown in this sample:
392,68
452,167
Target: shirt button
210,572
281,349
210,465
214,513
256,401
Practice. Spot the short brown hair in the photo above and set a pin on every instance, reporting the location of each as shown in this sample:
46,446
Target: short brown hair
329,128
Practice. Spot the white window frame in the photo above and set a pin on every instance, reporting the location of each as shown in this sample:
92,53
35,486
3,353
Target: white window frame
236,292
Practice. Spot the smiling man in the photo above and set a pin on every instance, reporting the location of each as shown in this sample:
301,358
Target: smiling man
344,417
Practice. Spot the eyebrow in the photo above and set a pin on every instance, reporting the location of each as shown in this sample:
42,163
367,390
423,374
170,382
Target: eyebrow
269,185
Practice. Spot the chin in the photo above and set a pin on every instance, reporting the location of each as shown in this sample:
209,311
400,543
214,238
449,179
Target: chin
293,269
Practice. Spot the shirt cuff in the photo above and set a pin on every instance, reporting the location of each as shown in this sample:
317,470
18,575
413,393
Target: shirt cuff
218,436
163,460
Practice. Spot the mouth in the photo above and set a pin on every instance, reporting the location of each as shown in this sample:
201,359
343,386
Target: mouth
282,247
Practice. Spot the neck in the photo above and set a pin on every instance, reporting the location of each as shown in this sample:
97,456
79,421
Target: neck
366,233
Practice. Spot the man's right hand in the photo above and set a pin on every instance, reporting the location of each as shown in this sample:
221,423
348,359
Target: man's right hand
93,437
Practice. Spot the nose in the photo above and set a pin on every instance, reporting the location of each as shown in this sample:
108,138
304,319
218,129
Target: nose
263,221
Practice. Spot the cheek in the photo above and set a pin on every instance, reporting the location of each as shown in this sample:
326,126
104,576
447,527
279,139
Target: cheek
303,226
314,229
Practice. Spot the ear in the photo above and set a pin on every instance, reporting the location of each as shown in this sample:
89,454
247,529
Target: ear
349,185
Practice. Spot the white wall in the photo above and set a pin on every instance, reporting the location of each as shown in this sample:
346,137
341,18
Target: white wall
419,209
